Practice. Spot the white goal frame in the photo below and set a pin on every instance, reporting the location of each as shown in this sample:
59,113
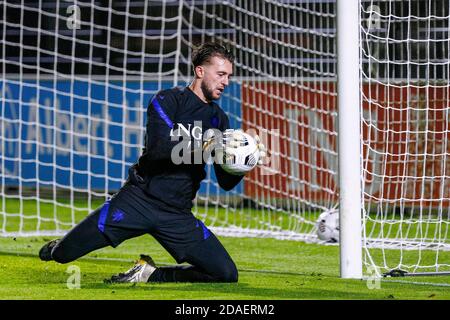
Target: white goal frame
350,184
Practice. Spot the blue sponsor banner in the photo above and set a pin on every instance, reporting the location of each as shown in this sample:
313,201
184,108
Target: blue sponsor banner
82,134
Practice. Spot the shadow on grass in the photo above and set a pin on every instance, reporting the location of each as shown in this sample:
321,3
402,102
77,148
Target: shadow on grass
285,285
239,290
30,275
121,261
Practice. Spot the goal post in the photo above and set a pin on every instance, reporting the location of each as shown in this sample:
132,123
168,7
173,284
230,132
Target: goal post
350,184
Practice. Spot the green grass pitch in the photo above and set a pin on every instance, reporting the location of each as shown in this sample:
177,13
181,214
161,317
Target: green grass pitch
268,269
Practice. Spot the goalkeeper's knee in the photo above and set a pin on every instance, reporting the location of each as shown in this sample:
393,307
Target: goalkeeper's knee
227,272
230,275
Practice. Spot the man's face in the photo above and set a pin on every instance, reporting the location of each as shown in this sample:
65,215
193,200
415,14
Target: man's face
215,76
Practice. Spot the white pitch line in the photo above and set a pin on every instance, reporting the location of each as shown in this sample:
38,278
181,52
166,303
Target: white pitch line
420,283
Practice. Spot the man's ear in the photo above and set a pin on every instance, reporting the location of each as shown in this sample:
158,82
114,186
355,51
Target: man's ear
199,71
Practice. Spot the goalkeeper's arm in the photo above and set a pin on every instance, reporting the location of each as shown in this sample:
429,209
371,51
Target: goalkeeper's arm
158,143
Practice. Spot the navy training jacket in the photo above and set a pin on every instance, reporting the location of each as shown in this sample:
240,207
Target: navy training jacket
179,113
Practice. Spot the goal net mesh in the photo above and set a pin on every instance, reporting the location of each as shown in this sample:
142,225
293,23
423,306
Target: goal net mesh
77,77
405,132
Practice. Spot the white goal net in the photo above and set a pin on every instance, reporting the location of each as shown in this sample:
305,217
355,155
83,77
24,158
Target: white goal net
77,76
405,68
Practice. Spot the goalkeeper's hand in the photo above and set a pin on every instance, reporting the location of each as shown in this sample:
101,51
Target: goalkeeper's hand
211,141
235,138
262,150
232,138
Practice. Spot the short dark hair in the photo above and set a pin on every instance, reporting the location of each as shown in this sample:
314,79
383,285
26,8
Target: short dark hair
206,51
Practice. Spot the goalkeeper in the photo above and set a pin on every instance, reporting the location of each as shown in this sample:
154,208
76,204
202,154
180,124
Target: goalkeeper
157,197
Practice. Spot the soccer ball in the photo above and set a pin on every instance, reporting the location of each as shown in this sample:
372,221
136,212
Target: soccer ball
241,159
328,226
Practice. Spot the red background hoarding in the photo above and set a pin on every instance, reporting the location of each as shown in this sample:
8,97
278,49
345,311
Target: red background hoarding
406,154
